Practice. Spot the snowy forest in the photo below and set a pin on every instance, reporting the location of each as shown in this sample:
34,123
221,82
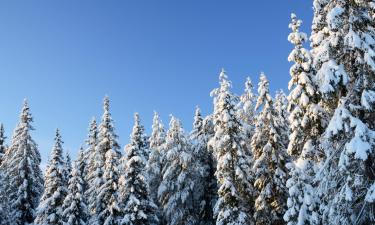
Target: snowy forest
306,157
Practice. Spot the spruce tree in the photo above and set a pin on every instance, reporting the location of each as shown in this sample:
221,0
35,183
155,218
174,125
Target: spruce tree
106,206
282,115
2,143
90,153
23,179
74,207
235,201
136,203
178,184
305,125
205,191
67,168
345,63
154,163
246,112
270,159
50,207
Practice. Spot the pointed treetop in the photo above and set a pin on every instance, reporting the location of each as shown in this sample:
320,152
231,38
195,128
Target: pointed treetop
58,136
198,120
25,113
106,103
248,85
264,91
225,84
296,37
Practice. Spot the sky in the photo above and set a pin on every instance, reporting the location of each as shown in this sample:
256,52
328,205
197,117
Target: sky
164,56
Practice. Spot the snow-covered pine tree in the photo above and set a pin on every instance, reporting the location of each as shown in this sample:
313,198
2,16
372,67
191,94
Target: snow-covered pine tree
246,112
344,58
23,179
205,191
74,207
236,192
305,125
67,168
108,195
3,207
81,165
90,153
105,206
176,189
2,143
282,115
95,204
136,203
50,208
270,159
154,163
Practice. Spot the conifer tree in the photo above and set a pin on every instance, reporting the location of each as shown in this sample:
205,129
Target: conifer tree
137,205
90,153
2,142
105,207
50,207
235,202
344,59
282,115
178,184
205,191
23,179
74,207
270,159
246,112
305,125
154,164
67,168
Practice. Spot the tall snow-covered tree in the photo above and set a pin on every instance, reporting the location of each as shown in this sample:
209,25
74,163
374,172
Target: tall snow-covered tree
206,188
305,125
154,164
105,206
23,179
2,142
344,60
246,111
90,153
67,168
176,189
270,159
282,114
50,208
74,207
136,203
235,201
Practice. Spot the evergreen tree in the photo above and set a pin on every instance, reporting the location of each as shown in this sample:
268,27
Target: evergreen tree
50,207
204,194
2,143
235,202
270,159
3,208
305,125
90,153
154,163
176,189
74,207
137,205
106,207
23,179
67,168
344,58
282,115
246,112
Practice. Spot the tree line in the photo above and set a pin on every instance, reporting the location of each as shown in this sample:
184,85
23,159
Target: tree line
302,159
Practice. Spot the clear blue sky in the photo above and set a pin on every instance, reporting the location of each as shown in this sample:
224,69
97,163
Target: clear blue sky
64,56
